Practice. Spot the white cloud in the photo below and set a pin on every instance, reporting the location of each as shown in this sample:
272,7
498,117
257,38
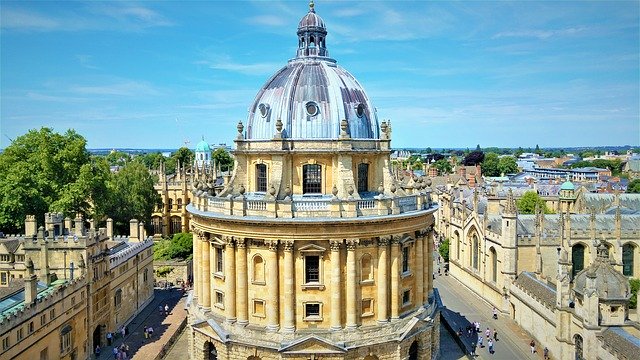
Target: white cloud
541,34
267,20
124,88
225,64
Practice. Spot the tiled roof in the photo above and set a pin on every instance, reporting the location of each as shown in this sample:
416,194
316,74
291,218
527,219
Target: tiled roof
623,344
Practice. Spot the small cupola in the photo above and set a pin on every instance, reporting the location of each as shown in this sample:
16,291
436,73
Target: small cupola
312,35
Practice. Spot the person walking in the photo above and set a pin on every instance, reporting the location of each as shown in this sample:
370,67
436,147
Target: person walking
166,309
116,352
532,344
488,333
109,337
495,313
480,341
545,353
490,345
146,332
150,331
123,331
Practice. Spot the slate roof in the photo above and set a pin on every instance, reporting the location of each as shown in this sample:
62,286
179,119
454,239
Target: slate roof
606,202
541,291
624,344
11,244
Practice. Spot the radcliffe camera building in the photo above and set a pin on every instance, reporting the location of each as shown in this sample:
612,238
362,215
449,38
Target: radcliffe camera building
312,249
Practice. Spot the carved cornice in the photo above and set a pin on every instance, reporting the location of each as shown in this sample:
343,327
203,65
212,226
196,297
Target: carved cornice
273,245
384,240
228,240
395,239
335,245
241,242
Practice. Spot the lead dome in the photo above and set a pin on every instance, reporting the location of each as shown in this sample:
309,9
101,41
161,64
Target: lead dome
312,94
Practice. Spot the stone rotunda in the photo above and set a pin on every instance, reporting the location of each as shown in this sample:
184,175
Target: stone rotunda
312,250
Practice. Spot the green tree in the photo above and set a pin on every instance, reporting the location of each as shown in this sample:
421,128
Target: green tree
490,165
443,166
507,165
473,158
118,158
34,171
131,196
634,186
223,159
184,155
180,246
635,285
417,165
443,249
538,151
527,203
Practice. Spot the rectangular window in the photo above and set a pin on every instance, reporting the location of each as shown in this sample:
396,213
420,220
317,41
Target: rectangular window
117,299
406,297
219,299
19,334
44,354
363,178
5,343
313,311
261,178
258,308
30,328
52,314
43,319
3,278
405,259
367,307
219,257
312,179
312,269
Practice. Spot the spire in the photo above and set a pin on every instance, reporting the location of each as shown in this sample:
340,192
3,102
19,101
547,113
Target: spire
510,207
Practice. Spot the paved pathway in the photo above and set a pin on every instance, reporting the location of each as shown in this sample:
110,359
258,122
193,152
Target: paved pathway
463,307
165,327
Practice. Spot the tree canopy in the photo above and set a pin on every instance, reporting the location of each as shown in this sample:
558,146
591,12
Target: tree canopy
473,158
527,203
507,165
44,171
490,165
634,186
180,246
443,166
184,155
443,249
223,159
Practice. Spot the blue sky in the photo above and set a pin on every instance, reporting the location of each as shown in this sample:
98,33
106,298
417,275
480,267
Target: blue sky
447,74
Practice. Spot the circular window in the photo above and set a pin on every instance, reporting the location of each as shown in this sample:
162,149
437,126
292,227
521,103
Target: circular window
360,110
312,108
264,109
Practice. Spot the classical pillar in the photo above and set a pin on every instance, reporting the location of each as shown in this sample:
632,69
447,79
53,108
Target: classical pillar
429,253
383,284
336,285
420,268
196,265
395,277
230,280
212,269
289,296
272,287
205,274
352,311
241,273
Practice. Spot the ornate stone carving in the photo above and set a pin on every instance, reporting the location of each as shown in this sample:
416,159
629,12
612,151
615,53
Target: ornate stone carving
241,242
273,245
384,240
335,245
395,239
352,243
287,245
228,240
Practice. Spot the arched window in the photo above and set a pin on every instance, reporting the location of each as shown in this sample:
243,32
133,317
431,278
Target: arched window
258,270
627,259
577,259
413,351
261,178
578,341
210,351
176,225
156,225
367,268
474,251
363,177
458,244
311,179
494,264
170,204
179,204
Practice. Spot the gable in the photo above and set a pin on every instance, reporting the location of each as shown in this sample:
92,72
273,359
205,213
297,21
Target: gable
313,345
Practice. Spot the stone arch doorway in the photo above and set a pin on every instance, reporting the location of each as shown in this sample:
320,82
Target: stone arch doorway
96,338
210,351
413,351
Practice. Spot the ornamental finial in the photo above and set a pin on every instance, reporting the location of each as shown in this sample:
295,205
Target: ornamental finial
311,5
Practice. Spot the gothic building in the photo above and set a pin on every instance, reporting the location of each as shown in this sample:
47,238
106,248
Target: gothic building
312,249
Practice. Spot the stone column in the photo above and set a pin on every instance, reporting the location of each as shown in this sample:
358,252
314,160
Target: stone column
212,270
230,280
205,274
336,285
428,289
352,311
420,268
196,265
383,284
289,291
241,273
272,287
395,277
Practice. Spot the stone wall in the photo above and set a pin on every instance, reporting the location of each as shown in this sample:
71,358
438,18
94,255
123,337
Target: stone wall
180,273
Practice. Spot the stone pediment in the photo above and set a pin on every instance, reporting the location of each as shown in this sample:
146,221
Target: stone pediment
211,329
312,248
313,345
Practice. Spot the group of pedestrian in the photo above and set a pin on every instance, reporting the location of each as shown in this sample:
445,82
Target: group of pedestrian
121,353
163,310
474,331
148,332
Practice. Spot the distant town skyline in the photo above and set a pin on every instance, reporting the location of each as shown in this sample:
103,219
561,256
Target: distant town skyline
158,74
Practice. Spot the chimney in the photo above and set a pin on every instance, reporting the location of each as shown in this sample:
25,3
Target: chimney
67,226
110,228
79,225
30,225
30,284
141,231
133,230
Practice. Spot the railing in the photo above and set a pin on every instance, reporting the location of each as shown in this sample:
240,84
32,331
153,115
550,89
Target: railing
257,205
310,205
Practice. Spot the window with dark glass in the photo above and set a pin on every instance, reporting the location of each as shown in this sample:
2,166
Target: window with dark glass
405,259
219,265
363,178
312,310
476,246
311,179
261,178
627,260
312,269
577,259
406,297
